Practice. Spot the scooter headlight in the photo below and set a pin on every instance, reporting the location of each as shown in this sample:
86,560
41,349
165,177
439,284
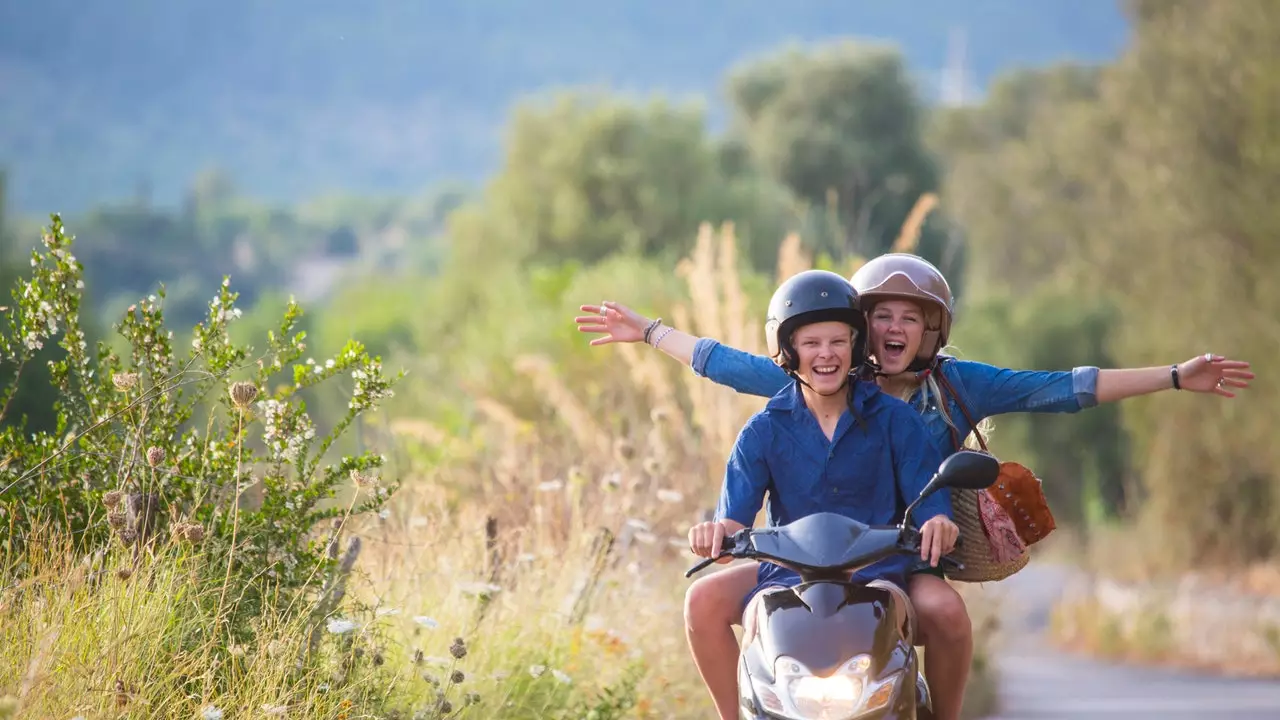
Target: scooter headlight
844,695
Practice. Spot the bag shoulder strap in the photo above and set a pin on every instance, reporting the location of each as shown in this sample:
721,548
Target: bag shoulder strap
951,391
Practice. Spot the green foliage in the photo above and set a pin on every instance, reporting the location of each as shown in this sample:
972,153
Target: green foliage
587,176
1140,187
840,126
127,438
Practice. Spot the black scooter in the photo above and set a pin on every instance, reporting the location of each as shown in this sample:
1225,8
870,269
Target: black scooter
829,648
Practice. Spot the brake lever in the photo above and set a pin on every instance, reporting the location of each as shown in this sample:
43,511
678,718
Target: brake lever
731,543
705,562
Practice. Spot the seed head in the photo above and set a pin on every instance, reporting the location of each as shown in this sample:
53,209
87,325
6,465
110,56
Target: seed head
457,676
111,498
116,520
124,573
446,707
128,535
471,698
458,649
363,480
155,455
124,381
243,394
191,532
623,450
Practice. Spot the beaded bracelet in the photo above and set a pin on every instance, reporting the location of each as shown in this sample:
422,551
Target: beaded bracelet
658,340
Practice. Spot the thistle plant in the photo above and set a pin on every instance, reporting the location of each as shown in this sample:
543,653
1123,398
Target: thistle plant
158,442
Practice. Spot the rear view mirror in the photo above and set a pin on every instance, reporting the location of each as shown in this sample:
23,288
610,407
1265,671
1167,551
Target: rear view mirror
967,470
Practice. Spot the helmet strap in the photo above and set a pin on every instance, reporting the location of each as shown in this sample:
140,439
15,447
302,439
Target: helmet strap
801,380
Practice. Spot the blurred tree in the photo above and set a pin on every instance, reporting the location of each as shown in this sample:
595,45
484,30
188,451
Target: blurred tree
841,126
587,176
1025,174
1191,238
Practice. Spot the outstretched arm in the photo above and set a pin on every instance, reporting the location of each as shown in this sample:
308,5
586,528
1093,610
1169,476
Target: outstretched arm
1206,373
991,390
723,365
619,323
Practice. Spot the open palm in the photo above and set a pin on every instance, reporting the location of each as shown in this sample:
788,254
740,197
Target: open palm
617,323
1216,374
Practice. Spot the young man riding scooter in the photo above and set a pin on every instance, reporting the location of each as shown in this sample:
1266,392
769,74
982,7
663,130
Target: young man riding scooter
825,442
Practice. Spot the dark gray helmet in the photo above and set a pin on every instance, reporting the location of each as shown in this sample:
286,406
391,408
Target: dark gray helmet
810,297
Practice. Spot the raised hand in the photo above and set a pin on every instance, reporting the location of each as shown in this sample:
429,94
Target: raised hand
1216,374
615,321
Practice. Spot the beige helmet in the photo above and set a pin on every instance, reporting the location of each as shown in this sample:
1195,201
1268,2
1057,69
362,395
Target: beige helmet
909,277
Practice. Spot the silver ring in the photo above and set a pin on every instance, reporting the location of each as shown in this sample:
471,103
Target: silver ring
604,311
1208,357
1222,381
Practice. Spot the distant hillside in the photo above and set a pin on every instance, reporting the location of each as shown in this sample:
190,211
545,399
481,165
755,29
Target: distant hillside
298,97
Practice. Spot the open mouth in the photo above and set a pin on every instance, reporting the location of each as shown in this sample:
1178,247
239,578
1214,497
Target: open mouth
893,350
826,370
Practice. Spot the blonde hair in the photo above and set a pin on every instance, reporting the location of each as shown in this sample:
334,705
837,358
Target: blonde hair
930,386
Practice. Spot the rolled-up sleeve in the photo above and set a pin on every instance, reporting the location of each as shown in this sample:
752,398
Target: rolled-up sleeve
992,390
748,374
746,477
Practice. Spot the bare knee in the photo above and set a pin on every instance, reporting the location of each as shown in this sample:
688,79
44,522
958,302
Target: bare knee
940,611
709,604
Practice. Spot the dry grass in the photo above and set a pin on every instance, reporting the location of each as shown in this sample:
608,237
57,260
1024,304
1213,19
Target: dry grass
551,541
553,489
104,637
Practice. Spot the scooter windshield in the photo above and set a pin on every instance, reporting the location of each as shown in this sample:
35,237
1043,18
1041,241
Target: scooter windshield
825,541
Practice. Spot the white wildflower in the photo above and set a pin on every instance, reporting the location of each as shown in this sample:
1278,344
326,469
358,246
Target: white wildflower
211,712
426,622
337,626
670,496
550,485
479,589
561,677
537,670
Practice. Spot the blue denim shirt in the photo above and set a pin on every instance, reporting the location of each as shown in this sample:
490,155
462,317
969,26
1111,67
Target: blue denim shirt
987,390
864,472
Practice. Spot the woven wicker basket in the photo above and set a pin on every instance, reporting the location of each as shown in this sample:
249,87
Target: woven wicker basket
975,549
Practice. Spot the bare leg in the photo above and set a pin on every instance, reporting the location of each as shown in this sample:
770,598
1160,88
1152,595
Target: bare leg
711,608
947,636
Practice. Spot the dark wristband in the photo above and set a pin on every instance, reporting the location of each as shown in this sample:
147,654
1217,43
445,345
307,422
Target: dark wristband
1173,372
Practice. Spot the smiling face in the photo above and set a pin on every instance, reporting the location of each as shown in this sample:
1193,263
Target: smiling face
825,354
897,329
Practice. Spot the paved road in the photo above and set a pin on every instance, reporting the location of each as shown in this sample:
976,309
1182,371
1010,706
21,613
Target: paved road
1039,683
